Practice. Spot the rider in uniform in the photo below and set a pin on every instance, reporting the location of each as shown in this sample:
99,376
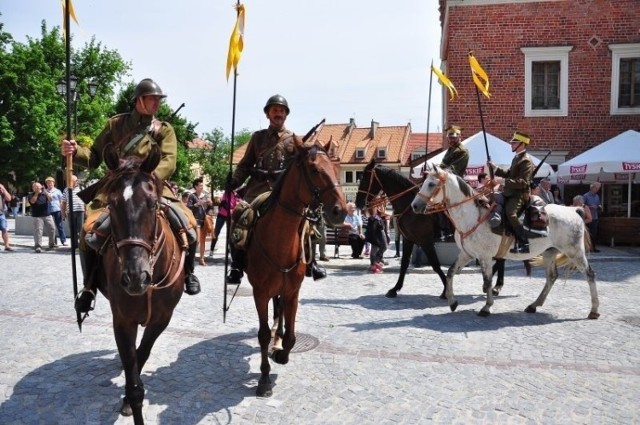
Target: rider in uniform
132,134
268,153
456,159
516,188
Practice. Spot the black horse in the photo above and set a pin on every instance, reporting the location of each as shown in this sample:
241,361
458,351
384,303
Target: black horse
416,229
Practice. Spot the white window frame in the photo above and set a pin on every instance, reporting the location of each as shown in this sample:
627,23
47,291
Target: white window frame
543,54
360,154
382,153
621,51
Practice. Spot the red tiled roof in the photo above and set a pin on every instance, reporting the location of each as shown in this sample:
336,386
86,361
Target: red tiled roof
199,143
417,141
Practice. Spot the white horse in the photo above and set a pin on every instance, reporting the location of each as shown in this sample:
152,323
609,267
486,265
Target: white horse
566,241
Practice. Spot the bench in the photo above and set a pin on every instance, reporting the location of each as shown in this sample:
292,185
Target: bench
619,231
337,237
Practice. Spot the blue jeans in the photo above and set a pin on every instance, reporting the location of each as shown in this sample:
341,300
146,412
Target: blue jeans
57,219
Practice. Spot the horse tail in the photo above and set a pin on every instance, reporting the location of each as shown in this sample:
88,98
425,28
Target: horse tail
588,243
561,261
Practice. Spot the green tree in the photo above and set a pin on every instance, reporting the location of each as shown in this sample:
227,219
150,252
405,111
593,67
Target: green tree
33,115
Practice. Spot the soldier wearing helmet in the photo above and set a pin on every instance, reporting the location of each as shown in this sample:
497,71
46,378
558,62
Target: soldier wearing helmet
516,188
267,155
132,134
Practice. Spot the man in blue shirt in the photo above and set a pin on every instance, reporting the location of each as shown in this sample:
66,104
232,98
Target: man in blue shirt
592,201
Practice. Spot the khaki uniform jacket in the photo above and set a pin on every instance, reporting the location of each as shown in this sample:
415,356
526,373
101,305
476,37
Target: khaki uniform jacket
268,151
122,128
518,176
456,158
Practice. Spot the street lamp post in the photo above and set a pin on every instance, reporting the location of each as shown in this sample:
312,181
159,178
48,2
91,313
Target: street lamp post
61,88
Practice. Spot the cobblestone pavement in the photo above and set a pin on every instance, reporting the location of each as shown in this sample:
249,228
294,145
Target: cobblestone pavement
361,358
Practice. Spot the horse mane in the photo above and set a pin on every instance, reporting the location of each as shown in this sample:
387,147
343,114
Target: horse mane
129,166
466,190
395,176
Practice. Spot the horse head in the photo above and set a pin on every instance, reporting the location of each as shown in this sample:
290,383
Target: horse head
133,194
432,189
320,180
369,186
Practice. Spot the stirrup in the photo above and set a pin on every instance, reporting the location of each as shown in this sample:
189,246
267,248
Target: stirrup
81,306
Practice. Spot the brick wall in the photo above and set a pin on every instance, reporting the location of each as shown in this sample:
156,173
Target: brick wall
497,33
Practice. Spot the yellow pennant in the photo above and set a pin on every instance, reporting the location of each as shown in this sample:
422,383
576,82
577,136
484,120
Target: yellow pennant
236,42
72,14
445,81
480,77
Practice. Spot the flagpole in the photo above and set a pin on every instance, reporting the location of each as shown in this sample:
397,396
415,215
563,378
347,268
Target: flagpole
476,68
426,142
227,192
484,132
69,158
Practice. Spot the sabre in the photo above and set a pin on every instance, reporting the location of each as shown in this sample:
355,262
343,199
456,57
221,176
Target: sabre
313,130
540,165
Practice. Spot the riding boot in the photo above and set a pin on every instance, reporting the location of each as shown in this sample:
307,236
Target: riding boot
316,271
237,265
85,301
522,241
191,282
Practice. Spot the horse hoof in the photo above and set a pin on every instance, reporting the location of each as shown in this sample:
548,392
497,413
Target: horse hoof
280,357
495,292
593,316
454,306
391,293
483,313
125,409
530,309
264,390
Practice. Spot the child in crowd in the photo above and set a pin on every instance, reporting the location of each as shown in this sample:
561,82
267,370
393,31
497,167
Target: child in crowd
378,237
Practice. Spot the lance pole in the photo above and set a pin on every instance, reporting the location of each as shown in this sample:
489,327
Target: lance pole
426,141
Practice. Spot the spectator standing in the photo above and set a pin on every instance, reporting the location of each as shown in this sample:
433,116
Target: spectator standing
199,205
353,222
39,200
55,208
4,228
223,213
592,201
78,210
545,191
578,201
557,196
378,237
482,180
14,204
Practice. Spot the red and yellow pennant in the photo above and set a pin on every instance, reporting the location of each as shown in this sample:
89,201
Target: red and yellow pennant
480,77
445,82
72,14
236,42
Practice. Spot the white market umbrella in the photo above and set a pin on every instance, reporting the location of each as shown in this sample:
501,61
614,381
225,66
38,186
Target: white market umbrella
616,160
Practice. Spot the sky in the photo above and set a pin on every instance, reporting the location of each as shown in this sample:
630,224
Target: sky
333,59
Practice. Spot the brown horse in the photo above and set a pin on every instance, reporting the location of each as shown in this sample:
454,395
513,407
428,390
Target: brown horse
142,268
275,261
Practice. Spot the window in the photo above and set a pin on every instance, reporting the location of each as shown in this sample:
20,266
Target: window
348,177
382,153
625,79
359,153
359,175
546,77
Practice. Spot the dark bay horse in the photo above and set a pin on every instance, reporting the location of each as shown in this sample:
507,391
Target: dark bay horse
142,267
275,260
415,228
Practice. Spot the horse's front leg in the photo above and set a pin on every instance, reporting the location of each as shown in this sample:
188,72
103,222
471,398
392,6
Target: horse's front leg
134,389
290,306
462,260
551,269
487,276
407,249
264,338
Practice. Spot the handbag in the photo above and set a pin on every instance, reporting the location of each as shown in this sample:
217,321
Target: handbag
208,223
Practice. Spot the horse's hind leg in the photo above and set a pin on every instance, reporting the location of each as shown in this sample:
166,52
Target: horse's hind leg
134,389
277,329
487,276
498,267
407,249
290,306
593,290
434,261
549,258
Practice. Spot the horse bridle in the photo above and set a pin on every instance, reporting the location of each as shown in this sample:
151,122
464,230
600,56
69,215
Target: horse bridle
385,198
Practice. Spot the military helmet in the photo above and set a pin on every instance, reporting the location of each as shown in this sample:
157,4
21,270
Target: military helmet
147,87
276,99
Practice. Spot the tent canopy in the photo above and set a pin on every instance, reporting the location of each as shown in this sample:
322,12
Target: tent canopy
615,160
500,152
